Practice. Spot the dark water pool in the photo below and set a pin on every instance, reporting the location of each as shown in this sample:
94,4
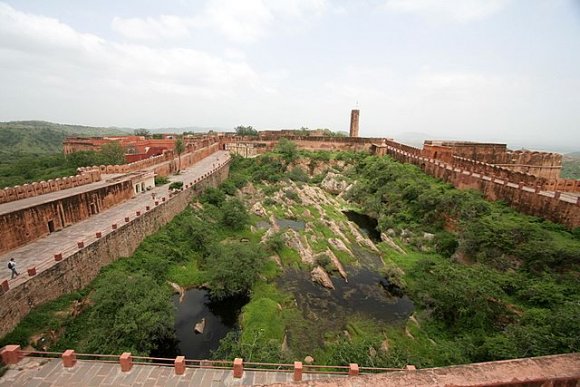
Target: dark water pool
284,224
365,294
220,318
366,224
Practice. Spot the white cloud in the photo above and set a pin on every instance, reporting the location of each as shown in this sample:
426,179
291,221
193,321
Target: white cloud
239,21
44,58
165,26
458,10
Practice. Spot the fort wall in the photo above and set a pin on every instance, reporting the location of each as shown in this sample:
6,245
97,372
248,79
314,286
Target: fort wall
530,200
27,224
78,268
43,187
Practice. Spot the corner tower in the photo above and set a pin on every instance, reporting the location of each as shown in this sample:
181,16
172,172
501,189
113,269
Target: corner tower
354,114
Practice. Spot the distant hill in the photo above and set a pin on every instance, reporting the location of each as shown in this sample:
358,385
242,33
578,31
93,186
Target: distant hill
39,137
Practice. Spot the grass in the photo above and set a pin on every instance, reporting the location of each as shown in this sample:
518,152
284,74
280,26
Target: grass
42,319
187,274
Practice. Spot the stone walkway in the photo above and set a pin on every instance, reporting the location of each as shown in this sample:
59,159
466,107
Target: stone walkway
32,372
40,253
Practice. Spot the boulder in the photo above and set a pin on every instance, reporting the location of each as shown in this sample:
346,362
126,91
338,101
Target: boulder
428,236
199,327
321,277
308,359
334,183
258,209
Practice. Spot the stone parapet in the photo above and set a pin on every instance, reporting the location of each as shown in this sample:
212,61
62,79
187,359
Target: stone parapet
87,176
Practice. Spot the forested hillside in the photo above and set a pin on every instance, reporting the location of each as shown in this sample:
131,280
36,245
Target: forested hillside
571,166
39,137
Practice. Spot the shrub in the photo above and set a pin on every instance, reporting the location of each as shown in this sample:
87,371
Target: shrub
176,185
234,215
276,243
160,180
233,269
292,195
298,174
213,196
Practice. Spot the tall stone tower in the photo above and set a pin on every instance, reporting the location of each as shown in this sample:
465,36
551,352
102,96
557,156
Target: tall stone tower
354,122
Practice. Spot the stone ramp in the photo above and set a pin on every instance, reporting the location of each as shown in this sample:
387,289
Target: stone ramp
32,372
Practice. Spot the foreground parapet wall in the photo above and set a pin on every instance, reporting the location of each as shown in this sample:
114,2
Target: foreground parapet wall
552,371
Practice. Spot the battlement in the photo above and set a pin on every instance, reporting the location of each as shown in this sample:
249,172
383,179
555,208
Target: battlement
18,192
554,206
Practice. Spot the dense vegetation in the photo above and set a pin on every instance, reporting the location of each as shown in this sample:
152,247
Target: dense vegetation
490,284
20,169
571,166
32,151
43,138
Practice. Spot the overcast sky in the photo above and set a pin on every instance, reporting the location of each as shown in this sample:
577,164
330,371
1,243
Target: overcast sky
493,70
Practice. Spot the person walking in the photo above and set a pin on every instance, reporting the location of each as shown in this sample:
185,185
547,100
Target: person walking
12,266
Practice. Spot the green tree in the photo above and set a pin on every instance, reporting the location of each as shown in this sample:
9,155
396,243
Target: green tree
179,149
112,153
142,132
287,150
233,268
131,313
246,131
213,196
234,214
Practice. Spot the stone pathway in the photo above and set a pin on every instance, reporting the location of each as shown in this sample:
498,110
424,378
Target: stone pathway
40,253
32,372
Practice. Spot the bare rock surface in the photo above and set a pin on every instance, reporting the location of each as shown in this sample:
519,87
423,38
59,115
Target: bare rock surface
339,245
178,289
295,242
391,243
334,183
361,239
321,277
199,327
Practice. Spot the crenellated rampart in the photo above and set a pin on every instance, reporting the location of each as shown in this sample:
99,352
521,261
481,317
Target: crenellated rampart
532,200
24,191
498,171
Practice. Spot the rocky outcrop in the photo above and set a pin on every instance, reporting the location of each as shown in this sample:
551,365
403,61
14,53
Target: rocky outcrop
391,243
258,209
339,245
335,229
178,289
360,239
294,241
321,277
334,183
336,262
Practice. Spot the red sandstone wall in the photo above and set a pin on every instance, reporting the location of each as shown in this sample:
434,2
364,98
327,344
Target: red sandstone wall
525,199
78,269
562,185
18,228
497,171
39,188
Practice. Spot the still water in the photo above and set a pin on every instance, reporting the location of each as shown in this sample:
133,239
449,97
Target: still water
220,318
